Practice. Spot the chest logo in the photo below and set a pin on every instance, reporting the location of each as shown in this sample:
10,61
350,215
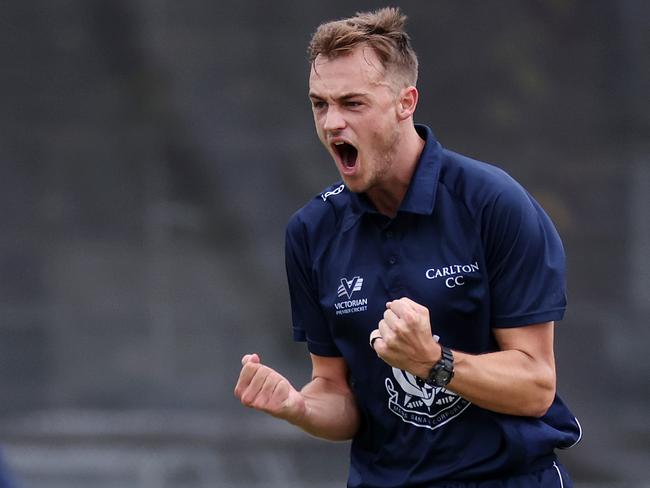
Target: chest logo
453,275
421,404
346,289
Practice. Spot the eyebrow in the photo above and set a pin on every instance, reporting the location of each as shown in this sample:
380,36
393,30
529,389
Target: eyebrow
344,96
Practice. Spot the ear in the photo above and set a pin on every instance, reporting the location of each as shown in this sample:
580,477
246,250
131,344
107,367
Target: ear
407,101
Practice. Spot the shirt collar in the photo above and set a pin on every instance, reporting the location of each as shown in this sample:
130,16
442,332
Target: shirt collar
421,194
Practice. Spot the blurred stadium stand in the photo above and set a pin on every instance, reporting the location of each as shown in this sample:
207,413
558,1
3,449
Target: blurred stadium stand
151,154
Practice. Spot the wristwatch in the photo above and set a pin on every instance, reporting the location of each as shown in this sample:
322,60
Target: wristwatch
443,371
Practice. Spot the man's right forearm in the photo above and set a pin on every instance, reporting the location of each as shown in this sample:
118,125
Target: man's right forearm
330,411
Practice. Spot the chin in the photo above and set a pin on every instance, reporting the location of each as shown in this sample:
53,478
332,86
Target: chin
355,186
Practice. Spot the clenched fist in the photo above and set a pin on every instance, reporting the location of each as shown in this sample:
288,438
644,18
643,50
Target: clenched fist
264,389
403,337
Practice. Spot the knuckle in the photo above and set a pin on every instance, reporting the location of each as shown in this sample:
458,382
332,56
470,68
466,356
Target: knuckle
259,403
264,371
249,368
269,386
278,391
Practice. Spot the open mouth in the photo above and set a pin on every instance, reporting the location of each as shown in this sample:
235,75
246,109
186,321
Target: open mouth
347,153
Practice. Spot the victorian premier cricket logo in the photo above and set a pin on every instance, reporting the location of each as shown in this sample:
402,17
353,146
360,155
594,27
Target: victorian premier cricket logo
345,290
421,404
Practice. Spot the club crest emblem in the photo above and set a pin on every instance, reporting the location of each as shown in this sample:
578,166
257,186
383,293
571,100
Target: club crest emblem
421,404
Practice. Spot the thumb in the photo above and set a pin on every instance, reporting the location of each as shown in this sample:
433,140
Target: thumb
250,358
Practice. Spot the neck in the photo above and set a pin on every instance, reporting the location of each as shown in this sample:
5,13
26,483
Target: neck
387,197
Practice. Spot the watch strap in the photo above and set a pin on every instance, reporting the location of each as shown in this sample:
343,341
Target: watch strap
443,371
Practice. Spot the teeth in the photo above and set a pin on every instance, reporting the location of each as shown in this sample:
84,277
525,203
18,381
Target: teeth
339,143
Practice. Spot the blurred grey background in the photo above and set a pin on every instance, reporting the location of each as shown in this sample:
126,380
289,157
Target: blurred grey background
151,153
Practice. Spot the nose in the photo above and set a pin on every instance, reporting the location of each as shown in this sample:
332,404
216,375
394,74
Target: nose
334,119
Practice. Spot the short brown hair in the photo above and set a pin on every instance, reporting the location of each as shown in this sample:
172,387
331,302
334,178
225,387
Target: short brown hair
382,30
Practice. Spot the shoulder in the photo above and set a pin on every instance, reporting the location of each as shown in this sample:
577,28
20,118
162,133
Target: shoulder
322,214
479,185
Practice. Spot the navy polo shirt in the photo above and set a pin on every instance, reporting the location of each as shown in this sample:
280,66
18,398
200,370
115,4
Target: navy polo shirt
470,244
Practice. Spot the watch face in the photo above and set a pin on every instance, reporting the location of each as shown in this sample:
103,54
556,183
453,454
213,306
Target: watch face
443,377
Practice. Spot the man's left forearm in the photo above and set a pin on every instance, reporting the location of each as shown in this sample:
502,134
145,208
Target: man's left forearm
519,379
510,382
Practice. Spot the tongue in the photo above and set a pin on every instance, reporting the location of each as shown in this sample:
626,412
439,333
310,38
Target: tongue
348,155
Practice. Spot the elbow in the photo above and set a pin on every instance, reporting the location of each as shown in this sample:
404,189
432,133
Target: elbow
541,406
543,397
537,405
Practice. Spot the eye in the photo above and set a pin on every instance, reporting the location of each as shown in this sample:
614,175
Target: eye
353,104
318,104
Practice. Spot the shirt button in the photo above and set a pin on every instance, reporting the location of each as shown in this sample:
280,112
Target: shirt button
389,234
392,259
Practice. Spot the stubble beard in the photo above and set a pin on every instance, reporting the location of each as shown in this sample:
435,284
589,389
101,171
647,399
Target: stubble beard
384,162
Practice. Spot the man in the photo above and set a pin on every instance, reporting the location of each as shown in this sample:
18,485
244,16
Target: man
426,286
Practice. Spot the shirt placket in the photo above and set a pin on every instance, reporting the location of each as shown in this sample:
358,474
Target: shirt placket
393,259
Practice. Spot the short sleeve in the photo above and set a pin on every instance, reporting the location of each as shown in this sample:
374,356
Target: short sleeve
309,324
525,261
